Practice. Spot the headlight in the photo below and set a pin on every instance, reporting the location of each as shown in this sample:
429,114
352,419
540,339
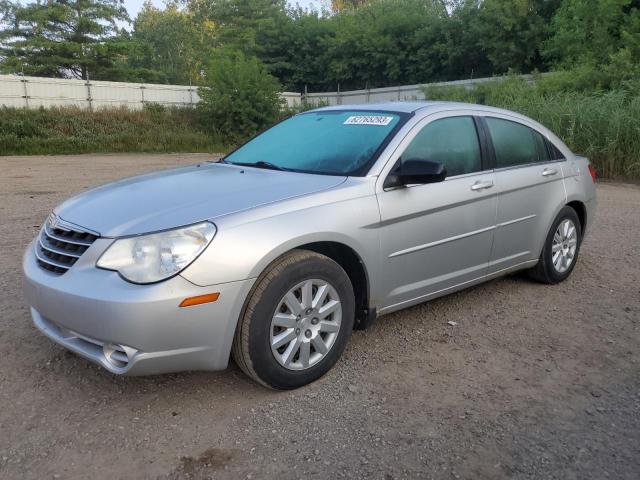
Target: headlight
158,256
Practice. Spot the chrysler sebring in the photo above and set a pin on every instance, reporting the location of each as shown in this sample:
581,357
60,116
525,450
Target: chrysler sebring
312,229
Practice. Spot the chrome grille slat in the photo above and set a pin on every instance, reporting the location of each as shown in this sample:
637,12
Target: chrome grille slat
51,262
75,241
59,245
58,250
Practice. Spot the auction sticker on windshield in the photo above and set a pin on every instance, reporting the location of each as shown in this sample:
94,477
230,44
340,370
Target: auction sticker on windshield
368,120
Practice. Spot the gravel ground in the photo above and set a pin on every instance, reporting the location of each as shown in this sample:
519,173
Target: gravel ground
533,381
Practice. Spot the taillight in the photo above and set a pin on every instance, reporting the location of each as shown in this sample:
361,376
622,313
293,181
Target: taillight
592,171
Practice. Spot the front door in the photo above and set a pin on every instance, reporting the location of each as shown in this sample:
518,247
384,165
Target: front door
437,236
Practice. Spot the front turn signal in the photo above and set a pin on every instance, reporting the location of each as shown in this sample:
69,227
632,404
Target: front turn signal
200,299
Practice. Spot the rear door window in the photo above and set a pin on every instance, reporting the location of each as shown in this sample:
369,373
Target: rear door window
515,144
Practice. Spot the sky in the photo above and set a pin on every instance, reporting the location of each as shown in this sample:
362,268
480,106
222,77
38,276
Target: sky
134,6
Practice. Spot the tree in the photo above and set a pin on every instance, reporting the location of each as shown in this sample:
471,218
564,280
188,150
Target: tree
294,49
341,5
238,22
170,45
594,32
512,31
386,43
463,50
257,28
238,96
62,38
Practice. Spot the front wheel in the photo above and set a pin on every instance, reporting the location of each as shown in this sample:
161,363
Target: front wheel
297,321
561,248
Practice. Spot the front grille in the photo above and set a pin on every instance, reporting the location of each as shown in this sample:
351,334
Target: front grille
60,245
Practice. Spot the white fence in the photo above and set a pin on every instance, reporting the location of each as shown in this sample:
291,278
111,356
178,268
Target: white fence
34,92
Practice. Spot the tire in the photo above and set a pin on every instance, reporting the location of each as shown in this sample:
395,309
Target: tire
259,332
547,270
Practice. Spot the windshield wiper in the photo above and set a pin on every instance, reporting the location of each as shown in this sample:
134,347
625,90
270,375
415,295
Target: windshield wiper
260,164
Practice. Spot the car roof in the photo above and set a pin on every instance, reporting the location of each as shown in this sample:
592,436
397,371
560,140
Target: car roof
415,106
404,107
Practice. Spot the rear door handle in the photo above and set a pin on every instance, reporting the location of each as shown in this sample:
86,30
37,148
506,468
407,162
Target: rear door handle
481,186
548,172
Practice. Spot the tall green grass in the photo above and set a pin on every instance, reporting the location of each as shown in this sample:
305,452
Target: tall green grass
603,125
74,130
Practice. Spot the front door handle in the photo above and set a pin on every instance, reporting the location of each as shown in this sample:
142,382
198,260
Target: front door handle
481,186
548,172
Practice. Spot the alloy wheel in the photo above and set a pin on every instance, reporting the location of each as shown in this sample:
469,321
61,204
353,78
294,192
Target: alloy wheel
305,324
563,248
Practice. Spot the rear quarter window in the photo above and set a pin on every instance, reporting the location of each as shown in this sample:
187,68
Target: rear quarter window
554,152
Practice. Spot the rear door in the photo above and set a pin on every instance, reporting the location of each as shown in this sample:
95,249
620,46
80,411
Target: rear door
530,187
437,236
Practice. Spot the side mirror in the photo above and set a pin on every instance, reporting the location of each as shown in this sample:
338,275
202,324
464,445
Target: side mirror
416,171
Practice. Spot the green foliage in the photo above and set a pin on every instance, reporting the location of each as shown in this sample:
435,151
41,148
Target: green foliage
512,31
390,42
604,125
363,43
62,38
594,33
238,97
240,24
305,106
169,46
378,43
341,5
296,52
73,130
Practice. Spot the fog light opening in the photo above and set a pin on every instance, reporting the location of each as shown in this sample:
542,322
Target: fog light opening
116,355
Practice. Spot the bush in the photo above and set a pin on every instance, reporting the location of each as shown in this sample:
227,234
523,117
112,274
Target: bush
239,98
72,130
596,115
153,107
305,106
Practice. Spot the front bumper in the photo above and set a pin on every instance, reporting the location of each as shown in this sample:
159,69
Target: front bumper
132,329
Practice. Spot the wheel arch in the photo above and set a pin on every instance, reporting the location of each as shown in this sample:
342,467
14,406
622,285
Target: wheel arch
356,270
581,210
344,255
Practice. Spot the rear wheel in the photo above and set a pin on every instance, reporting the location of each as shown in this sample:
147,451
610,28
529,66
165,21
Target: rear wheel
297,321
561,248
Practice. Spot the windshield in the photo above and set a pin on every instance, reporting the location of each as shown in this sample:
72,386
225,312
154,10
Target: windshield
343,142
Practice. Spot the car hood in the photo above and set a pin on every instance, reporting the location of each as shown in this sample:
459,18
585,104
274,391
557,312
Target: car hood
183,196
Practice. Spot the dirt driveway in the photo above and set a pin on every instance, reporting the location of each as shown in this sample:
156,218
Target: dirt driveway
533,381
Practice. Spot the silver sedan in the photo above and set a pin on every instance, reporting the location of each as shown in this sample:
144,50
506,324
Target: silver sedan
319,225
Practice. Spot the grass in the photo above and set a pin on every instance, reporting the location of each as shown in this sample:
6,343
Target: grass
72,130
603,125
